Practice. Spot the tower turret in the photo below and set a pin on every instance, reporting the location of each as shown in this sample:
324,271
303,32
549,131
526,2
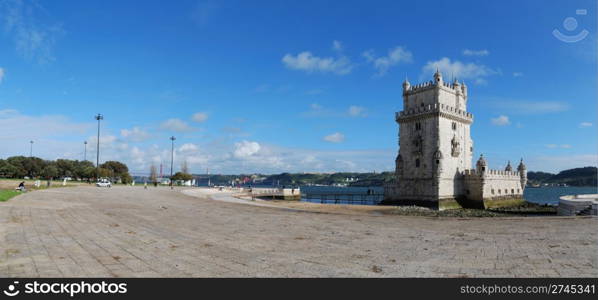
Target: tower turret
457,87
481,165
406,85
522,173
438,77
508,167
464,89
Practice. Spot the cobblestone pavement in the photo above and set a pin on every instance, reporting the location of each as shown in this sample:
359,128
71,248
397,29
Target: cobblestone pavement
129,231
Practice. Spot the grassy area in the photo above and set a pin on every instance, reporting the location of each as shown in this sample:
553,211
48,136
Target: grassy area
7,194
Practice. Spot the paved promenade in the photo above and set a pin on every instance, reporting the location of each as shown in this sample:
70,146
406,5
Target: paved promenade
129,231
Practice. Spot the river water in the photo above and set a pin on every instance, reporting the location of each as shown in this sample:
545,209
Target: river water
544,195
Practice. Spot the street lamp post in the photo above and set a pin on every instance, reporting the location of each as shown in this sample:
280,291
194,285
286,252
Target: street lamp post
85,151
31,149
172,138
99,117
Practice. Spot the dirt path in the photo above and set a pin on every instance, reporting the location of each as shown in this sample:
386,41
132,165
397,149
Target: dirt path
129,231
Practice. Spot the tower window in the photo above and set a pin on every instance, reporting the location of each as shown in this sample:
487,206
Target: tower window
454,126
512,191
418,126
437,161
417,163
492,191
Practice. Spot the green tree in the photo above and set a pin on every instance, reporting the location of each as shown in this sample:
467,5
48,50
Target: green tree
126,178
115,166
82,169
22,167
7,170
181,176
106,173
117,170
66,167
50,171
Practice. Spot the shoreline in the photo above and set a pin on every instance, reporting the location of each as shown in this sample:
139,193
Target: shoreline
533,209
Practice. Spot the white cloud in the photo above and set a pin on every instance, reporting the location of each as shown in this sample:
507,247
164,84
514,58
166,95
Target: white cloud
384,63
585,124
459,70
529,107
315,106
135,134
1,74
517,74
337,45
356,111
305,61
33,36
57,137
468,52
15,125
176,125
501,120
188,147
200,117
137,156
563,146
245,149
336,137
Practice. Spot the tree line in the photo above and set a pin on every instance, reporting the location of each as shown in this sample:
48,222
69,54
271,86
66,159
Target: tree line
35,167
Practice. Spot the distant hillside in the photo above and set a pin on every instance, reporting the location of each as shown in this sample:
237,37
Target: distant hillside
574,177
586,176
290,179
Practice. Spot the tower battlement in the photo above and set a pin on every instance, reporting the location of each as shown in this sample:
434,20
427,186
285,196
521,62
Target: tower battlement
433,108
491,173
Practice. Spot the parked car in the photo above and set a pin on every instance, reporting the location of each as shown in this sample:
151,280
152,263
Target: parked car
103,183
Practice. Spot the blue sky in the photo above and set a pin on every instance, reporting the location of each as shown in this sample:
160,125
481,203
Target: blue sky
274,86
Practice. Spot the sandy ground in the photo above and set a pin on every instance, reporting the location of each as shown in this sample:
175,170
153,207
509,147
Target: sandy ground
158,232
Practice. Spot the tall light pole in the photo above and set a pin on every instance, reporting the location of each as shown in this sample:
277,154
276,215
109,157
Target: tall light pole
85,151
172,138
31,149
99,117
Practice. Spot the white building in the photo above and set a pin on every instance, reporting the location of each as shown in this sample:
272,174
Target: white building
434,163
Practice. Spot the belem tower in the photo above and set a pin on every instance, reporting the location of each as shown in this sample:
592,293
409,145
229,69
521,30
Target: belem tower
434,163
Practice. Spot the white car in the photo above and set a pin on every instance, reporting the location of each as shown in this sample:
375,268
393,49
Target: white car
104,183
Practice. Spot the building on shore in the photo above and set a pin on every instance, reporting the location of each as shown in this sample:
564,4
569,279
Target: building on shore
434,165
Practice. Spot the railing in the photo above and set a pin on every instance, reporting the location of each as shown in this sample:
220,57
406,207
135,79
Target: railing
372,199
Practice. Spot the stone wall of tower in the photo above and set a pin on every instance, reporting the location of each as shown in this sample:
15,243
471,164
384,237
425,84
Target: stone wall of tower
492,188
416,145
456,147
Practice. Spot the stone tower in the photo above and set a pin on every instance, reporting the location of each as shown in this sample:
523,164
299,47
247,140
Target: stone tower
434,163
434,141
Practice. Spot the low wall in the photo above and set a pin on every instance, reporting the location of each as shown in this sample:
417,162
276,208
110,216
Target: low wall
573,205
276,193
